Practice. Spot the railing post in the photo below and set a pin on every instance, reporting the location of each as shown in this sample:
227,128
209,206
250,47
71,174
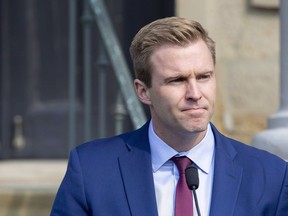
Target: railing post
118,63
87,25
120,113
72,59
275,138
102,63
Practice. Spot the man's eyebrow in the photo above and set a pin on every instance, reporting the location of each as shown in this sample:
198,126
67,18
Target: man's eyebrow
205,72
186,75
176,76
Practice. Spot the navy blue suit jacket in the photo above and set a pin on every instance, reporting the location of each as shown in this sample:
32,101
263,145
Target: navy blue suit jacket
113,177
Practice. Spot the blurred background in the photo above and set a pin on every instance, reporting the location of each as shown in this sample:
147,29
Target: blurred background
66,74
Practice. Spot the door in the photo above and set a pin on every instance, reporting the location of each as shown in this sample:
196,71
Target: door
34,73
34,79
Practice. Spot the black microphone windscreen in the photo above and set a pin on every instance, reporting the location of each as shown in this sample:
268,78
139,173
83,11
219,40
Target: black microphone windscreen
192,178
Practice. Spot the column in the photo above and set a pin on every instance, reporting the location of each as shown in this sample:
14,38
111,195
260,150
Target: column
275,138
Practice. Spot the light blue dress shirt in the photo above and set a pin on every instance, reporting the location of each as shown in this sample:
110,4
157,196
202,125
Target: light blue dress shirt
165,172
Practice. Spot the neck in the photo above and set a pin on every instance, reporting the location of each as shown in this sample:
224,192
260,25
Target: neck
181,142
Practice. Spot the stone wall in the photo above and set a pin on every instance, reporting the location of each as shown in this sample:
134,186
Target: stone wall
247,45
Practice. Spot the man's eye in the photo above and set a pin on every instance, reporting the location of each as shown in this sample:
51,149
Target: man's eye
180,79
204,77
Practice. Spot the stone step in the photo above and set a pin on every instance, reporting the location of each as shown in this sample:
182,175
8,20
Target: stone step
25,203
28,187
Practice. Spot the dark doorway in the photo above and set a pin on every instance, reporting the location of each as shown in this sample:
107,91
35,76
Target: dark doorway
34,71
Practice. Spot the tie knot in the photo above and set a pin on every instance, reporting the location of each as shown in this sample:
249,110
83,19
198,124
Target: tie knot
182,163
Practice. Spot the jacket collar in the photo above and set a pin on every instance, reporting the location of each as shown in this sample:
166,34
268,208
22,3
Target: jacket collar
136,170
227,176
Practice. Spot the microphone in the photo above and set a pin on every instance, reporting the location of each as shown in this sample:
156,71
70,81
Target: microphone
192,179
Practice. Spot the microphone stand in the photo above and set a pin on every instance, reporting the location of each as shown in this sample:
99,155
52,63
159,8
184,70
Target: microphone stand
196,201
192,179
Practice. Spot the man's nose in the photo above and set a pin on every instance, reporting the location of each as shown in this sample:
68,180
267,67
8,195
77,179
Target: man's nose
193,91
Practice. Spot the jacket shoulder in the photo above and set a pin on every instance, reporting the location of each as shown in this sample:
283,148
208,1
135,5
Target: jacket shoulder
244,153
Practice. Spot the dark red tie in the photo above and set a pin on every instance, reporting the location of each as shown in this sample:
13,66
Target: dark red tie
184,200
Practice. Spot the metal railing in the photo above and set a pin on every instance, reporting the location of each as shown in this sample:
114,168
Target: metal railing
110,53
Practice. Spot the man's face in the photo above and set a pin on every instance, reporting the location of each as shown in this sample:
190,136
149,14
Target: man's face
183,91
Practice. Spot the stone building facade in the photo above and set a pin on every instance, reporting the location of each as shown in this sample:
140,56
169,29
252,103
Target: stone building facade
247,39
247,46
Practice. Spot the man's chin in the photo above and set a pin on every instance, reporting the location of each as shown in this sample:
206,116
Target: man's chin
195,129
197,126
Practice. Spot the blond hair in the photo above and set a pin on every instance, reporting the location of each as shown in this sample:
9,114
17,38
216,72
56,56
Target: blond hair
170,30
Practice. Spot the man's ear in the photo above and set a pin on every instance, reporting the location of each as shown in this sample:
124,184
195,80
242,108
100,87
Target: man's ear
142,91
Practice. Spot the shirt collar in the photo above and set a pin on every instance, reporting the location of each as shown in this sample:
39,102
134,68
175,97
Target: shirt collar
202,154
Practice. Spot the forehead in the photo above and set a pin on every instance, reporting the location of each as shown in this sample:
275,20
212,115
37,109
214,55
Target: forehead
192,57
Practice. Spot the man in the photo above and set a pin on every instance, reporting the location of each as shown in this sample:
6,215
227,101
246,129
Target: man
137,174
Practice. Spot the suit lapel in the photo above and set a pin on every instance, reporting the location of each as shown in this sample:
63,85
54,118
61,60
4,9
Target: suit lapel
227,177
136,170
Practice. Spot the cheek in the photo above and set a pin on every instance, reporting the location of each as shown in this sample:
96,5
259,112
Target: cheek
163,99
209,91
